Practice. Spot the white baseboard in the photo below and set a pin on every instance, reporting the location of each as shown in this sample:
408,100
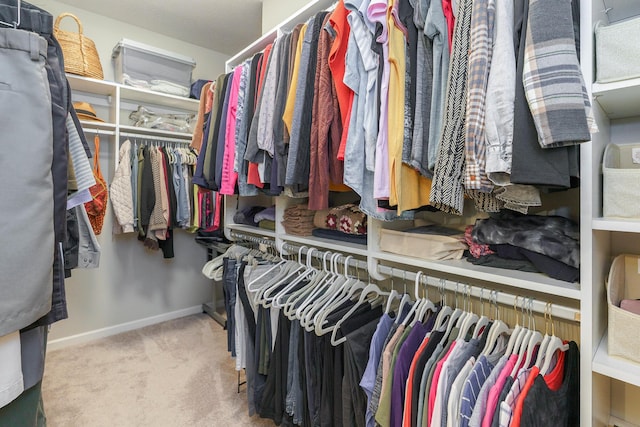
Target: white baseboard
117,329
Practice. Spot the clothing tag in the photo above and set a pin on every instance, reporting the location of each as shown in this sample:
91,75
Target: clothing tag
635,156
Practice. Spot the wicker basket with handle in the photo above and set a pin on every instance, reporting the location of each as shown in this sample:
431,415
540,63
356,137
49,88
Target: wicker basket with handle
80,54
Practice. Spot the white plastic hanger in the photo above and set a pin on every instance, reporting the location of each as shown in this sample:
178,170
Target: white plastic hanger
446,311
369,289
471,318
319,288
346,291
255,284
513,343
288,302
424,303
534,339
332,286
498,327
555,345
545,340
483,321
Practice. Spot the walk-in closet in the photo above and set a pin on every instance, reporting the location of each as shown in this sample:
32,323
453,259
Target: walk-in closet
388,213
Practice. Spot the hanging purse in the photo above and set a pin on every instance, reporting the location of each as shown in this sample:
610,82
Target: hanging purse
97,208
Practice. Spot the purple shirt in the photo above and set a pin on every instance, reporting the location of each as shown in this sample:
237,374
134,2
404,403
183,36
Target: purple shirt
375,353
401,370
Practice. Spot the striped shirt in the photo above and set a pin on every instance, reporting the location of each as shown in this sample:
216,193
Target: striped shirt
471,389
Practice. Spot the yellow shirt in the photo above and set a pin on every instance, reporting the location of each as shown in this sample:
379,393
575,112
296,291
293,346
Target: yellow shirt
287,116
408,189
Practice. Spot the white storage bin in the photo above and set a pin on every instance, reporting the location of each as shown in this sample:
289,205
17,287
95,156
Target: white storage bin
621,181
144,62
624,283
617,51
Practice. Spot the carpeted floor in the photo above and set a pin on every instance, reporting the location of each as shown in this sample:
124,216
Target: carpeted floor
173,374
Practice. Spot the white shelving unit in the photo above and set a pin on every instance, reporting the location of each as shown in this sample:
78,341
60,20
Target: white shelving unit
114,102
615,367
606,381
616,107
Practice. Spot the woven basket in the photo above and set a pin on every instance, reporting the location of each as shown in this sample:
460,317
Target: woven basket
79,51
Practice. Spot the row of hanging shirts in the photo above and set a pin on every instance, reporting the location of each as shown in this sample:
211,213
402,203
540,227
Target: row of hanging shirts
312,296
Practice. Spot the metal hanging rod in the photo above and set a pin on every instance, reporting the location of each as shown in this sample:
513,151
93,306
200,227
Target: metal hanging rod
98,131
154,138
253,239
505,298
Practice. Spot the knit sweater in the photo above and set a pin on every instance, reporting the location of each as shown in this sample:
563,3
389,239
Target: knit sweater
120,192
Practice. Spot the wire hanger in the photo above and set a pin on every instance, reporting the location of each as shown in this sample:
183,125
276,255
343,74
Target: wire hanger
15,24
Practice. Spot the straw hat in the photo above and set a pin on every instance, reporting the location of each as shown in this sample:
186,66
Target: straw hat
85,111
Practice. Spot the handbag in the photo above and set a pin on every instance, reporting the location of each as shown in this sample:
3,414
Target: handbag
97,207
79,52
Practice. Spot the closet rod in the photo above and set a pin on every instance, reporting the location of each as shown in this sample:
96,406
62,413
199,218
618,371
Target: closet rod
253,239
154,138
98,131
505,298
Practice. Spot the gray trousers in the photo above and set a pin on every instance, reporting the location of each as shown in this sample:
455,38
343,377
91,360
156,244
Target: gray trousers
26,202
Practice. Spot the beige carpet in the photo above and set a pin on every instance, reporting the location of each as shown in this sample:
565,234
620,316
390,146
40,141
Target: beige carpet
177,373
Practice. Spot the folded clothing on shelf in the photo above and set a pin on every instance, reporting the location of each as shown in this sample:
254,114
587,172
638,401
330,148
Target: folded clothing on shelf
360,239
247,216
431,242
346,218
298,220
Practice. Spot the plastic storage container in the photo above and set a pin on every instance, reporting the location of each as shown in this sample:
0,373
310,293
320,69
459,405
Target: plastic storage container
144,62
621,181
624,283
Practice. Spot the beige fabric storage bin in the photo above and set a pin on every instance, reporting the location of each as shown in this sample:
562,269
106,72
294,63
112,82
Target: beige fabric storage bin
621,181
617,51
624,283
433,247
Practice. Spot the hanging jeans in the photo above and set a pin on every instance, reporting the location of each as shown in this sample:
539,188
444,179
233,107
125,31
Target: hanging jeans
57,102
229,280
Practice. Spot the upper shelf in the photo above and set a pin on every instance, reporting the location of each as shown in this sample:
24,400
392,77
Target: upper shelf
107,88
618,99
303,14
616,224
516,279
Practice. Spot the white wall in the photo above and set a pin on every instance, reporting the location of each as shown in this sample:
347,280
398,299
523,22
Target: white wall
276,11
106,32
132,284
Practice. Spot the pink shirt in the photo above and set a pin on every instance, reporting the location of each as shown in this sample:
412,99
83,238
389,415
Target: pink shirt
377,13
494,393
229,177
447,8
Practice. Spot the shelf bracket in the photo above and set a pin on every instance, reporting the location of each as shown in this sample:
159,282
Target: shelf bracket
372,267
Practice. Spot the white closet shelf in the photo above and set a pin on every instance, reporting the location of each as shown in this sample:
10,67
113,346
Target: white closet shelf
614,367
616,224
257,231
145,132
618,99
300,16
144,96
93,86
157,98
516,279
346,248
